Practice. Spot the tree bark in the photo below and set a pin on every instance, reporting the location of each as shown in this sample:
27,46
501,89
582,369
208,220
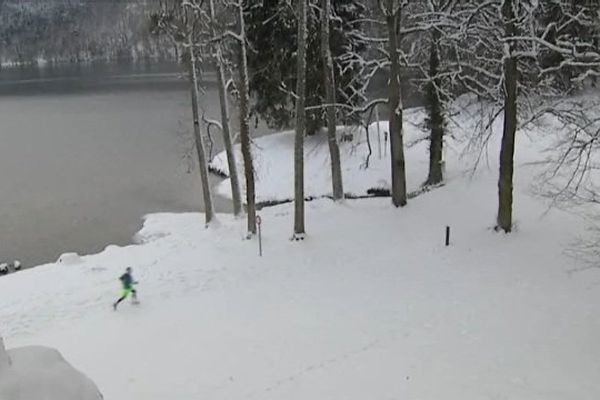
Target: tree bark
507,151
225,118
436,119
199,141
299,228
396,111
329,82
245,125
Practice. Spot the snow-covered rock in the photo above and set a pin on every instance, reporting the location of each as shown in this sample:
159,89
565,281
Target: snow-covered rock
3,269
69,259
17,265
36,373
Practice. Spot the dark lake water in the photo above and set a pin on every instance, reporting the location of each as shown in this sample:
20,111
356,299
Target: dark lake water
87,151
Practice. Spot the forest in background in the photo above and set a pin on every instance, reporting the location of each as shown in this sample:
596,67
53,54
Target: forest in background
75,31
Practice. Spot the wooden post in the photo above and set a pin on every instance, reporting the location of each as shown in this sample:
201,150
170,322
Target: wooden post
447,236
258,224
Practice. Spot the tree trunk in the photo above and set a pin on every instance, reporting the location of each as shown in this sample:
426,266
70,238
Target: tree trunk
300,123
329,82
507,151
199,141
436,118
395,104
245,125
226,131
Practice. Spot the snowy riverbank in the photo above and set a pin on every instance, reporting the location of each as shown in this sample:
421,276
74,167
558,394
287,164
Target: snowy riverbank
371,305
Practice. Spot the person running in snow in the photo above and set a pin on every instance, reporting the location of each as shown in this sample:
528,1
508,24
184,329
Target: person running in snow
128,282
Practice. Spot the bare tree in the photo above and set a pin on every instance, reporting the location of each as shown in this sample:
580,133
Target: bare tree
225,118
392,11
329,83
199,141
299,229
517,63
243,87
507,150
436,33
183,22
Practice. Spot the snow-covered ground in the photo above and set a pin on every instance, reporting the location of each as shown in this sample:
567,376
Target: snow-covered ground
274,166
362,168
371,305
36,372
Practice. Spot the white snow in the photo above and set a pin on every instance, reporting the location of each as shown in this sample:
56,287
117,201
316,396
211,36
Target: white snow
34,372
371,305
273,167
273,153
69,259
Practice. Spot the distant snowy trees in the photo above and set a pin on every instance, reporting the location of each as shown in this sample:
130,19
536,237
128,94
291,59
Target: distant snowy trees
78,31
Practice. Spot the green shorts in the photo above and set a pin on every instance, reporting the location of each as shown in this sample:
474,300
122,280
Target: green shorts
127,291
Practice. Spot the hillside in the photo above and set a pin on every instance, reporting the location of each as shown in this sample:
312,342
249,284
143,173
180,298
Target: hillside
75,30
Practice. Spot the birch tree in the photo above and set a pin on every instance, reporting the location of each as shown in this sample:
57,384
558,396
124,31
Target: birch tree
299,229
330,88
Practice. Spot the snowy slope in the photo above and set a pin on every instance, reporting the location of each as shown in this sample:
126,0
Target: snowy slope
370,306
36,372
273,155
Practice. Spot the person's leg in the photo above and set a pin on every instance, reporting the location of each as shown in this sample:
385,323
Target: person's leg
123,297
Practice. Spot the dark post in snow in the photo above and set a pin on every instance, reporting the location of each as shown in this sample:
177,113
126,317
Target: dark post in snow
447,236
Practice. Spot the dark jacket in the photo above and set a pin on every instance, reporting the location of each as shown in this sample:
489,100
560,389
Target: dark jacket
127,280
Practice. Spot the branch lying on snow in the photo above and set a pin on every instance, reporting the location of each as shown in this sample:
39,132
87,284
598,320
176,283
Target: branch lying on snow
359,110
371,194
210,123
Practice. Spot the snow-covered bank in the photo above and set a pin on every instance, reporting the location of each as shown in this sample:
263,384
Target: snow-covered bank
371,305
365,156
273,156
